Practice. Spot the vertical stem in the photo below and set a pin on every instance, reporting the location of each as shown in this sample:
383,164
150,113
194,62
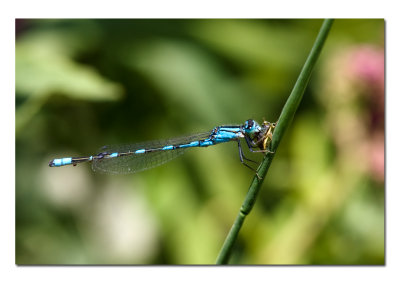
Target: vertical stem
284,121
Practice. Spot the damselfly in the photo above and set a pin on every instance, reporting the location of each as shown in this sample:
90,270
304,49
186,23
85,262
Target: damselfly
132,158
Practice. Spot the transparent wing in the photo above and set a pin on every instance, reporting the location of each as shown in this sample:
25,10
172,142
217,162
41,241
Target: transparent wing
138,162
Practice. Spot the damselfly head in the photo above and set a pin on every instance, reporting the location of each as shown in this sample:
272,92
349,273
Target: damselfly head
260,136
251,127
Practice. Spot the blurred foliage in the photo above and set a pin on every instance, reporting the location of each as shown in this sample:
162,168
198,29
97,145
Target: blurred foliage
81,84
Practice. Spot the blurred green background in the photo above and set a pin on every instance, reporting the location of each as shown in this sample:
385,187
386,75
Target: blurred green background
82,84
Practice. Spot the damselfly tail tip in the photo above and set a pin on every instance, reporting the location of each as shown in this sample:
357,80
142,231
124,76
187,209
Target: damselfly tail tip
60,162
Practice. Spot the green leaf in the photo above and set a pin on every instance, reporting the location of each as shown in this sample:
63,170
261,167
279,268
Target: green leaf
44,66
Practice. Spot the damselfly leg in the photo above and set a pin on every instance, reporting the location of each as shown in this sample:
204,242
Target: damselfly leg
243,157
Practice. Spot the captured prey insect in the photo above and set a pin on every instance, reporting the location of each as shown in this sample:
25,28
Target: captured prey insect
132,158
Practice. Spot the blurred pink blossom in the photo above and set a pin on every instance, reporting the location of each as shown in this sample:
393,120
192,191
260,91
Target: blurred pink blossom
355,99
368,68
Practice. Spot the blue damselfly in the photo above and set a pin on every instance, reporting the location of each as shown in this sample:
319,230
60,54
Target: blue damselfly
141,156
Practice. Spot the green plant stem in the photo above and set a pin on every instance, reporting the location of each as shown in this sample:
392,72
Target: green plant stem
284,121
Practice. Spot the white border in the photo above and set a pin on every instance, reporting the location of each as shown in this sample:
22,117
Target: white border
197,9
